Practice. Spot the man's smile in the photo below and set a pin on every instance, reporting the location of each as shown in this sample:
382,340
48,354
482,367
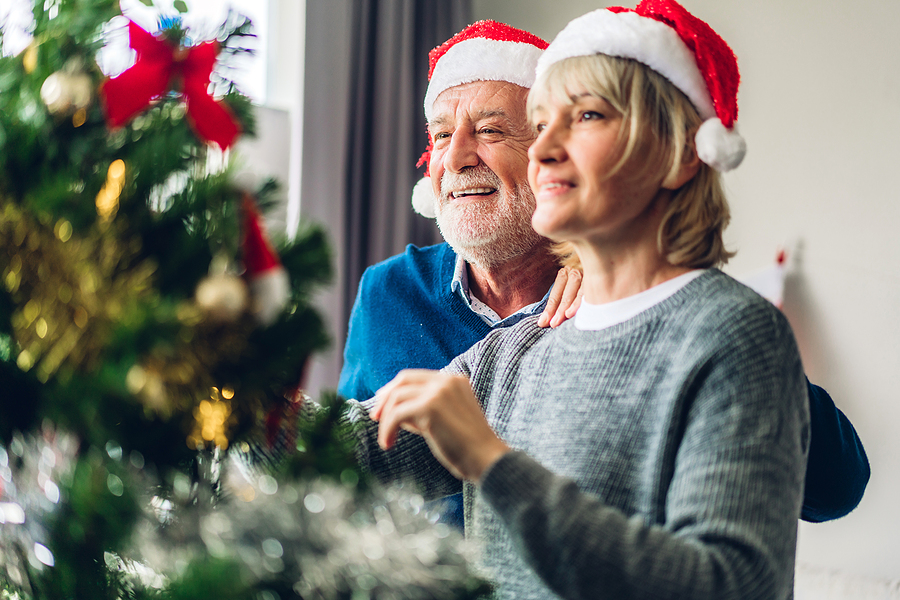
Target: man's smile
475,191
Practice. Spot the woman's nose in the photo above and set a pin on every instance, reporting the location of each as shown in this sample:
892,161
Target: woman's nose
547,147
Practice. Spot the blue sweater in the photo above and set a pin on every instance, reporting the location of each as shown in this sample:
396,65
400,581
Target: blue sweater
405,316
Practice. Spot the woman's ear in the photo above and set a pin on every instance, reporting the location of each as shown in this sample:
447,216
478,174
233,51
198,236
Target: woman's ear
690,164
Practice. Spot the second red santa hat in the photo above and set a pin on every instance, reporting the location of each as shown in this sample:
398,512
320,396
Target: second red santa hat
483,51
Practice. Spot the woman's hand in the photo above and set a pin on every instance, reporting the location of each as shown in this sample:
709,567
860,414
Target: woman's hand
564,299
442,409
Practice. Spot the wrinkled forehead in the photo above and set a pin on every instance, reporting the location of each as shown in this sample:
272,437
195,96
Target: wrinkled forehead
480,100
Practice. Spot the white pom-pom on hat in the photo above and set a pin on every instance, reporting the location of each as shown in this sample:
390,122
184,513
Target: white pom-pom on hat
722,149
423,199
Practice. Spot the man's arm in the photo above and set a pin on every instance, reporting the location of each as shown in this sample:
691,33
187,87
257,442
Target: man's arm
838,469
564,299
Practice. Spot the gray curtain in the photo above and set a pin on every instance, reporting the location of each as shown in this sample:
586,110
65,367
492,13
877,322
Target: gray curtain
391,40
364,130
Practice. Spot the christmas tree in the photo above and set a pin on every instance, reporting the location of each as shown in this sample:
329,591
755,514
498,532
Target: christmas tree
150,333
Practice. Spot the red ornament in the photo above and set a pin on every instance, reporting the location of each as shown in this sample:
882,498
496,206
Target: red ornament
158,66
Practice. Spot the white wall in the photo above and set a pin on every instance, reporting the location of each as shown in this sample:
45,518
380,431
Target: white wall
820,110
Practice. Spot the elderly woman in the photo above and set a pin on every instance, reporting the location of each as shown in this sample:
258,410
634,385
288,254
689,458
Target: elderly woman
653,447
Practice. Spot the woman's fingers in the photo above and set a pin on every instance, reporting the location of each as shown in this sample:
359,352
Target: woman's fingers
403,408
403,378
443,409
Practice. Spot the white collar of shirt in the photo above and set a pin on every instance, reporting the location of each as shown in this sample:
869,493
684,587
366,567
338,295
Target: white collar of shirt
593,317
460,285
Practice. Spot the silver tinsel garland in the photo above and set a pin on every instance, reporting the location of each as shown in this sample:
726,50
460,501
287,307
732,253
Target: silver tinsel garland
318,537
31,469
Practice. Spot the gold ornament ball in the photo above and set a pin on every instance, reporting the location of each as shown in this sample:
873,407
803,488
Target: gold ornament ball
222,297
64,93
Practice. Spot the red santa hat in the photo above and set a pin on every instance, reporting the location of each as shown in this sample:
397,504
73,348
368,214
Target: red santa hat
270,288
685,50
483,51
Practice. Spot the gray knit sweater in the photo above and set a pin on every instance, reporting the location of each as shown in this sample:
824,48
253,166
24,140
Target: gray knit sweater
660,458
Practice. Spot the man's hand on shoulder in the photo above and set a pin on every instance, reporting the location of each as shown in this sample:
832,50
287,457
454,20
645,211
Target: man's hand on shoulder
564,299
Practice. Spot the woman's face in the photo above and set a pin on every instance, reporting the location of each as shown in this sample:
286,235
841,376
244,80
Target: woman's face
576,147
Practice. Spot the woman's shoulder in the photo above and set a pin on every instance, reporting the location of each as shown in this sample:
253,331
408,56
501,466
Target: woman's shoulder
719,304
722,293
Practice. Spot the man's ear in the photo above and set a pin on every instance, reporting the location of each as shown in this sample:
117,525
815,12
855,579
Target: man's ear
690,164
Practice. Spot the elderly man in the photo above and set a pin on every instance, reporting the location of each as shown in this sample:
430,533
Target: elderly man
422,308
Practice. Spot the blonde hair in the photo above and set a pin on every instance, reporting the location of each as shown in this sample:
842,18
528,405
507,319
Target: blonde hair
658,125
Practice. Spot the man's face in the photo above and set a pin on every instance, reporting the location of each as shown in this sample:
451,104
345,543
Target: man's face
479,167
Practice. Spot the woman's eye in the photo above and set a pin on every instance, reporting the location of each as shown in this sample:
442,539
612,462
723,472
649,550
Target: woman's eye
540,127
590,115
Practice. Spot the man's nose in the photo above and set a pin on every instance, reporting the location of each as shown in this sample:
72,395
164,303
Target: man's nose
462,152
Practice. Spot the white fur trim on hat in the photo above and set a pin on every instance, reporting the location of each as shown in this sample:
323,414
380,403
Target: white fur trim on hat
423,199
482,59
629,35
720,148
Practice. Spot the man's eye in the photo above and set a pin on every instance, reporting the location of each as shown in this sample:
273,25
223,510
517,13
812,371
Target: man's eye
441,136
488,130
540,127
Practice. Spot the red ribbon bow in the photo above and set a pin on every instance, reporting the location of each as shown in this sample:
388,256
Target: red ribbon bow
158,63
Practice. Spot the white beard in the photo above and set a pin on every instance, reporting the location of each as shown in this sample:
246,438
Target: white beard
490,232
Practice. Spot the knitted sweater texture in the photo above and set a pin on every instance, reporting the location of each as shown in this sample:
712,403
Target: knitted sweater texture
660,458
406,317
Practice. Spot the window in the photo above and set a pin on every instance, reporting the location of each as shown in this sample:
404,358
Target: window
203,18
272,77
16,19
